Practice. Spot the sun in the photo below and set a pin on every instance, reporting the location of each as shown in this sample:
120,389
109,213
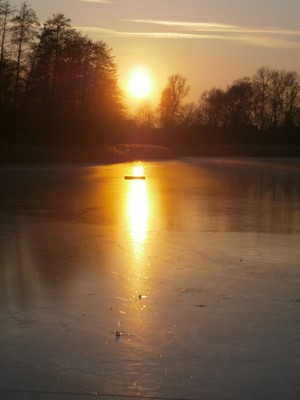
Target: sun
140,84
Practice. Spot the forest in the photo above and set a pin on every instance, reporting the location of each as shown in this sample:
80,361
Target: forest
59,87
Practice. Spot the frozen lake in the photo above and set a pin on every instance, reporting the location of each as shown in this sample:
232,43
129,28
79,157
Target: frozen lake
197,267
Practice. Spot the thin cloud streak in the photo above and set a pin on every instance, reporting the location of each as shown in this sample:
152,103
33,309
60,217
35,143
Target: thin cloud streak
263,37
151,35
217,27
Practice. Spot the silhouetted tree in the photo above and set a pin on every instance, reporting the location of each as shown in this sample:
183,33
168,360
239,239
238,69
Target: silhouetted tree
291,98
269,101
145,115
73,80
6,65
261,98
24,33
46,77
188,116
6,11
276,98
171,99
239,104
212,108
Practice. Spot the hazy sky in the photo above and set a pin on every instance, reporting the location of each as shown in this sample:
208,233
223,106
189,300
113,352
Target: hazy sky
210,42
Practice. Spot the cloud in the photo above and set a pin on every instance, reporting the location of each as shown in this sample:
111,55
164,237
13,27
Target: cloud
271,37
153,35
258,36
217,27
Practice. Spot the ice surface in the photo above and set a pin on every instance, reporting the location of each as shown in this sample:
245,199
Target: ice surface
197,267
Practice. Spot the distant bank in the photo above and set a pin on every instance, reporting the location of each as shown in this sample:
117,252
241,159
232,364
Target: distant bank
17,153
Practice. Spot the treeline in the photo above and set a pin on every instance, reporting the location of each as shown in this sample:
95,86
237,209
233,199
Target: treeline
264,109
56,85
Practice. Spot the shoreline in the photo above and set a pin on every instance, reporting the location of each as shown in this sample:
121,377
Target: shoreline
110,154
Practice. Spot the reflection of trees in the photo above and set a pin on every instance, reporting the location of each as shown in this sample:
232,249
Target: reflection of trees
263,199
34,264
55,229
43,260
241,198
15,281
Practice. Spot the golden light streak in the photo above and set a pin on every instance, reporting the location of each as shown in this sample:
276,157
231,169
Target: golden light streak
138,207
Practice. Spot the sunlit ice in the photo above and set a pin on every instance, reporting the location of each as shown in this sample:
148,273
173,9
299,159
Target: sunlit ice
140,83
138,170
138,207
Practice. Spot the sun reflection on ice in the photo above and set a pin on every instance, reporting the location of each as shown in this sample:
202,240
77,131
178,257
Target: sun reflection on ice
138,208
138,211
138,215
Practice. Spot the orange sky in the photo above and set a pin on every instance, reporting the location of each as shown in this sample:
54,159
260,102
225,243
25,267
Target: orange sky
210,42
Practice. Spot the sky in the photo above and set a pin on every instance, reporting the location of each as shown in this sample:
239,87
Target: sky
209,42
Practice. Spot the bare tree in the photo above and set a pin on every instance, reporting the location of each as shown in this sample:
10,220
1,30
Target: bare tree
24,33
73,80
145,116
260,87
188,115
6,66
239,103
6,11
291,97
276,97
172,98
57,31
212,110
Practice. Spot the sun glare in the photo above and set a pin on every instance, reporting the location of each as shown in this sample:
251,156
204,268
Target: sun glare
138,207
140,84
138,170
